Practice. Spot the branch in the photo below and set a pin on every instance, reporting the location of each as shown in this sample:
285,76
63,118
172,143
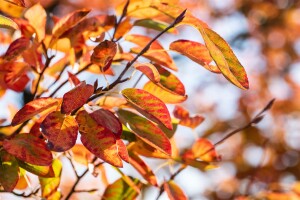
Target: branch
117,24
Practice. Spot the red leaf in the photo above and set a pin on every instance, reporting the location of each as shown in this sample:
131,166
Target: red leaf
122,150
9,171
149,70
142,168
97,139
108,120
73,79
32,108
185,119
103,54
174,191
29,148
76,97
60,130
196,52
16,48
155,53
148,105
146,131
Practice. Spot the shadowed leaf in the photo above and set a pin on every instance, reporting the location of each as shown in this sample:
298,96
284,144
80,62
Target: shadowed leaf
32,108
149,70
41,171
124,27
29,148
81,154
16,48
76,97
144,149
60,130
16,77
174,191
154,24
146,131
103,54
9,171
148,105
97,139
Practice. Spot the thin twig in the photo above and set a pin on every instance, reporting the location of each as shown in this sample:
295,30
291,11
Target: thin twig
117,24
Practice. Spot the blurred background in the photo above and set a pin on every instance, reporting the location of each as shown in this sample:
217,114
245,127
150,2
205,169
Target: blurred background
265,36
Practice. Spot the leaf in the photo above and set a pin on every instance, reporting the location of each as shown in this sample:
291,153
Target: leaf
149,70
144,149
97,139
36,15
174,191
202,149
185,119
76,97
17,2
142,168
163,93
224,57
9,171
155,53
81,154
154,24
5,22
73,79
16,48
41,171
60,130
10,9
196,52
121,190
16,77
29,148
108,120
110,102
22,182
49,186
68,22
103,54
124,27
146,131
32,108
148,105
122,150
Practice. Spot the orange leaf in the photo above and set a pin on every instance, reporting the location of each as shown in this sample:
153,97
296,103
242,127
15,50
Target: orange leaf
185,119
148,105
97,139
124,27
29,148
174,191
60,130
149,70
122,150
34,58
142,168
81,154
32,108
36,15
16,77
146,131
196,52
104,53
156,52
143,149
17,2
9,170
76,97
110,102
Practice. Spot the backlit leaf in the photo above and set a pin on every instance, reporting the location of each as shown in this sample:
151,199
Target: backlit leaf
201,165
60,130
154,24
148,105
146,131
76,97
16,77
34,57
122,150
196,52
104,53
108,120
81,154
121,190
142,168
185,119
155,53
29,148
174,191
5,22
110,102
36,15
9,171
124,27
16,48
97,139
22,182
143,149
32,108
49,186
42,171
149,70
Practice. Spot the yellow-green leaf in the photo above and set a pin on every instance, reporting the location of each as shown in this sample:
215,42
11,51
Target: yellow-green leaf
5,22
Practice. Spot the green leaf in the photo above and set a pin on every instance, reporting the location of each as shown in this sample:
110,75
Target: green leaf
146,131
41,171
121,190
29,148
60,130
97,139
7,23
148,105
174,191
9,171
154,24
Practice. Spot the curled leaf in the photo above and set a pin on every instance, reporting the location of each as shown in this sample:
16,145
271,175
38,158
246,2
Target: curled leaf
185,119
103,54
149,70
5,22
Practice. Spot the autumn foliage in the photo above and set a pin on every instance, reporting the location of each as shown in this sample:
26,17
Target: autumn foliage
92,123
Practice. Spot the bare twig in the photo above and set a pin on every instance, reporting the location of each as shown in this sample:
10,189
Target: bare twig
117,23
